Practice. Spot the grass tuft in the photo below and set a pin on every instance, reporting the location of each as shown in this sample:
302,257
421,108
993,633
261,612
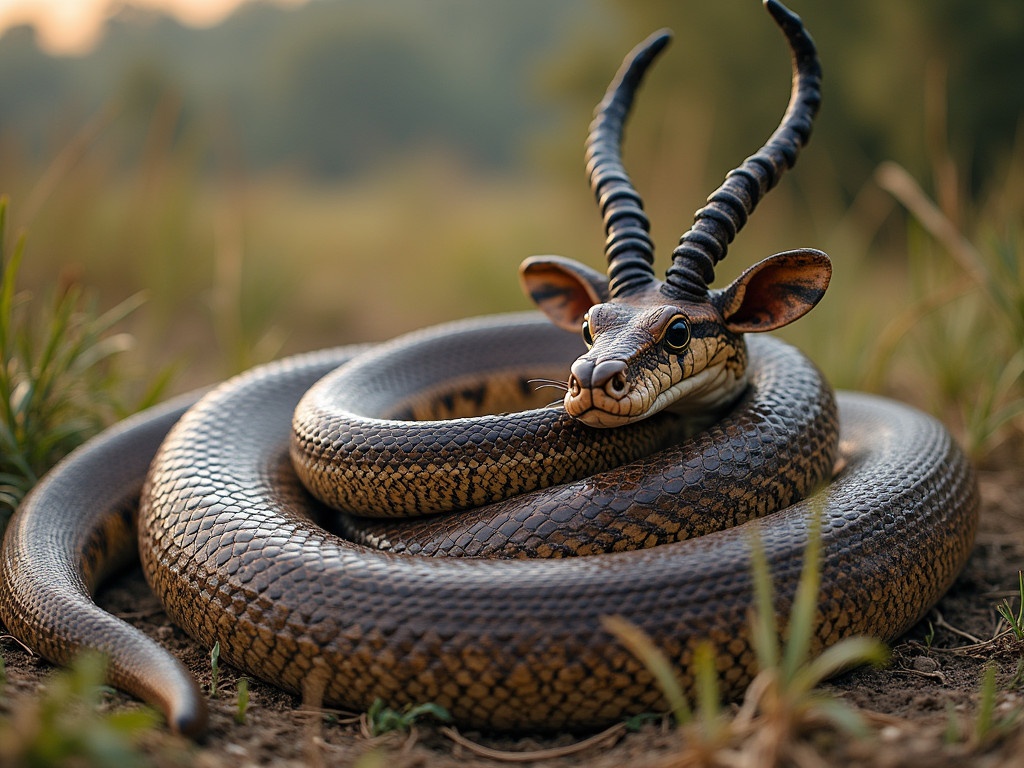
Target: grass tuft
1015,622
964,318
382,719
59,383
782,704
214,668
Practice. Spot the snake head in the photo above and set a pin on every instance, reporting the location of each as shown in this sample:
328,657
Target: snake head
648,351
676,344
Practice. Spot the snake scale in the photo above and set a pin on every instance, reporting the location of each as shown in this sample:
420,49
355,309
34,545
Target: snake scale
240,553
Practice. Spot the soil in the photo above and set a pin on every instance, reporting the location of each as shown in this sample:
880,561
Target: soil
922,709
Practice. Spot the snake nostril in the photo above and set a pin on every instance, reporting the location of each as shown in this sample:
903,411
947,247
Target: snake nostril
617,385
574,386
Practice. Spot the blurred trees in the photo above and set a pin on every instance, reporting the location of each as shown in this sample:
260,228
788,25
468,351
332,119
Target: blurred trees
340,86
333,87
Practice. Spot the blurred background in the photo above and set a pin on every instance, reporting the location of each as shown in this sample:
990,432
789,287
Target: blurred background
281,176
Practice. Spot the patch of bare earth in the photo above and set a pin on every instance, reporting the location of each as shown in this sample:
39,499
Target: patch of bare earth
922,709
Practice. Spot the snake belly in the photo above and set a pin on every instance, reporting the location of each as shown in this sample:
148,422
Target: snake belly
227,543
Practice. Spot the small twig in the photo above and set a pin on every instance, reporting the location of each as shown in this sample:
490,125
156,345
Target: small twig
966,650
364,727
344,716
24,647
538,754
1004,593
938,676
941,622
410,741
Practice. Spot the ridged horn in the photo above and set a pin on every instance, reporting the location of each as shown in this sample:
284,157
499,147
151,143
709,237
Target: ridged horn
727,209
628,246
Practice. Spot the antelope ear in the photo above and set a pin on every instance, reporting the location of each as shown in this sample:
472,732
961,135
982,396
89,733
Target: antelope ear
563,289
774,292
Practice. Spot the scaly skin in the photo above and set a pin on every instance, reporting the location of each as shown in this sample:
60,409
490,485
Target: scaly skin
515,644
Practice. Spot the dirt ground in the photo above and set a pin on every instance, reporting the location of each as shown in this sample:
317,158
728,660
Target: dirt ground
922,708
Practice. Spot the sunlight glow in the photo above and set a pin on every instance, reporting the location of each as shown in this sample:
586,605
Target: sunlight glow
71,27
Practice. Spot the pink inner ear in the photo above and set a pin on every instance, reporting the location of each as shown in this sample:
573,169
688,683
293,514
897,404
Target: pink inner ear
559,293
776,291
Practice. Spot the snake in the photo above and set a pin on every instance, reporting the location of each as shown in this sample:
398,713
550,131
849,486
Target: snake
271,514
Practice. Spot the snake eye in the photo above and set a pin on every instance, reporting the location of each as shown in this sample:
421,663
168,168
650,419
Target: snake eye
677,335
588,337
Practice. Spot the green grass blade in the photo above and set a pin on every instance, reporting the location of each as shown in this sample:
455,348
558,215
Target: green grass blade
242,703
986,705
805,603
642,647
846,654
1015,622
762,620
7,312
709,695
58,381
841,714
435,711
120,312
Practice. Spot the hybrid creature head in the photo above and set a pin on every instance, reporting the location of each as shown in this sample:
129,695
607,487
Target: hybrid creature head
655,344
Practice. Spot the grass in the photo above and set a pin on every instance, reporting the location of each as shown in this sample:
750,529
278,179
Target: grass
986,726
782,710
1014,621
214,668
242,701
242,688
964,321
782,703
59,378
792,673
67,724
984,721
381,719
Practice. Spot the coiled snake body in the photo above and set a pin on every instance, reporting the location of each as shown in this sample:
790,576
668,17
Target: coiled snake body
238,553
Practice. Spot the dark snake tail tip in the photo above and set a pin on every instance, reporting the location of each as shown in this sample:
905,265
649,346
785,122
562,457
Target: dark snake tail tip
189,718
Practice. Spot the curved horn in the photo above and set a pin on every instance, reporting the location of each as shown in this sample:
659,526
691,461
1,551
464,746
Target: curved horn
716,224
628,248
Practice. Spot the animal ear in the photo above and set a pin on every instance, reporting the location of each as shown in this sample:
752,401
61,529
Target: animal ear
774,292
563,289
